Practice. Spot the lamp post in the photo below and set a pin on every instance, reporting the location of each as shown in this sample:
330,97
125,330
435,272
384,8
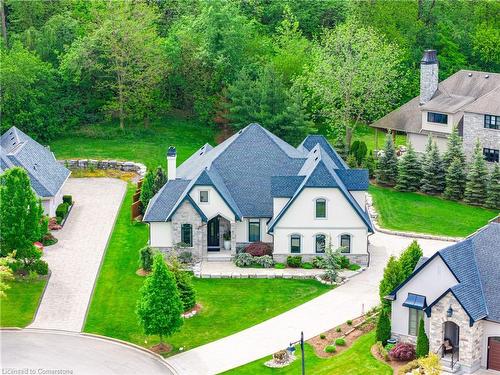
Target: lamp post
291,349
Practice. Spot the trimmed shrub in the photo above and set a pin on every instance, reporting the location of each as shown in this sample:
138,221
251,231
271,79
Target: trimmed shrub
382,351
322,336
280,266
62,210
186,289
403,352
422,349
318,262
59,219
39,266
258,249
294,261
354,267
330,349
68,199
349,322
266,261
338,329
146,258
48,239
340,342
243,260
408,368
185,257
383,332
307,266
344,262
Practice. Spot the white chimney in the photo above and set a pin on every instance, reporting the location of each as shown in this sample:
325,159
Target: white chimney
171,163
428,75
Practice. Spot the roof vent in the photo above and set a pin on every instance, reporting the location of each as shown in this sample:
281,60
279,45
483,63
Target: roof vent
201,153
241,131
487,76
315,151
470,74
34,166
316,158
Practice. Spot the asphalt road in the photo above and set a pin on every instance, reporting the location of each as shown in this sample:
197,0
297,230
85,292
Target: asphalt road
41,352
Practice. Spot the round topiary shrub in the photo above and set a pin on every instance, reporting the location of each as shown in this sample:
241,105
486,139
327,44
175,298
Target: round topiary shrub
294,261
322,336
403,352
340,342
330,349
258,249
349,322
338,329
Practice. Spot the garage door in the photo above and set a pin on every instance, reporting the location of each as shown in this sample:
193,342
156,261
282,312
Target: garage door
494,353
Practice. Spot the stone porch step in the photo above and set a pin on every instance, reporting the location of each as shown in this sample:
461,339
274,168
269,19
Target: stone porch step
446,367
219,257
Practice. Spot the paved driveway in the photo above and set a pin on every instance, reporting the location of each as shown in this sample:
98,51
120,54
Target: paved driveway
74,261
314,317
77,354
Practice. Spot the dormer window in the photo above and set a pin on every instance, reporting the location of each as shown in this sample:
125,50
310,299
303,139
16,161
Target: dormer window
203,196
320,209
438,118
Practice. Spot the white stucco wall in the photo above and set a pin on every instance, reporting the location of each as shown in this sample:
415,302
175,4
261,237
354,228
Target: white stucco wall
160,234
431,282
360,197
50,204
242,230
437,127
300,218
490,329
278,204
419,141
215,205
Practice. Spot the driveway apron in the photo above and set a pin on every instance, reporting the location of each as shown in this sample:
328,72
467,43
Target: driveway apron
75,259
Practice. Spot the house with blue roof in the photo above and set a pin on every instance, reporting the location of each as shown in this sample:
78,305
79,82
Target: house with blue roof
255,187
457,294
46,174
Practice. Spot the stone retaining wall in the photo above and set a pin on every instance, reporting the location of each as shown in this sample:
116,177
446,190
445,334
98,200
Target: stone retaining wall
125,166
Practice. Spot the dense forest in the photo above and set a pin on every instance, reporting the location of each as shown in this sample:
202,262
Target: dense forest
292,65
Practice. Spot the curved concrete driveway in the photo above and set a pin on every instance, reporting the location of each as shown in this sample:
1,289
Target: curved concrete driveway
314,317
75,353
74,261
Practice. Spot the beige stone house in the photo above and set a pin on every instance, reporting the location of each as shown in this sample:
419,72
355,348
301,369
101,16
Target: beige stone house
457,293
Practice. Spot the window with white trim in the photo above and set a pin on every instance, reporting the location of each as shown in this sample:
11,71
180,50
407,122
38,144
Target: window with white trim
345,243
203,196
414,317
320,243
253,230
295,243
320,209
438,118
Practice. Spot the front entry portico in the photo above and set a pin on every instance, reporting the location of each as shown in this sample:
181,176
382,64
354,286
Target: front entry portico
213,234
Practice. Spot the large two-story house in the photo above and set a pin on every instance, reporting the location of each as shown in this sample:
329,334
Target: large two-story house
468,100
256,187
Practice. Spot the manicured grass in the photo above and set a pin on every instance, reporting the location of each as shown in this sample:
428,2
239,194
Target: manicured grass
357,360
368,135
229,305
18,308
148,146
414,212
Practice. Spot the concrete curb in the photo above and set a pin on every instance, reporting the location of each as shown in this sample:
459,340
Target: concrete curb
41,298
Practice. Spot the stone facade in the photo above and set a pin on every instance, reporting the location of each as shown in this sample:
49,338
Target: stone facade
126,166
470,338
428,81
361,259
473,129
186,214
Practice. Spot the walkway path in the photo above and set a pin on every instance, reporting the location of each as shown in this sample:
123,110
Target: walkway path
318,315
74,261
73,353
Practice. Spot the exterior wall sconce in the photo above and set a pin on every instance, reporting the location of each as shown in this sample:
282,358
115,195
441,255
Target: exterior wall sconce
449,313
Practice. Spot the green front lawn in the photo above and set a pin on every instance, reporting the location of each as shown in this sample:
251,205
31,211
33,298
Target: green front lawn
147,146
415,212
357,360
229,305
18,308
373,140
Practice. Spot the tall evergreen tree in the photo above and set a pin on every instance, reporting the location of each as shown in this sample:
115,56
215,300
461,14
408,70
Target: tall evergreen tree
477,181
455,180
160,180
159,307
383,332
387,171
393,276
433,176
422,348
493,200
409,171
147,189
409,258
454,149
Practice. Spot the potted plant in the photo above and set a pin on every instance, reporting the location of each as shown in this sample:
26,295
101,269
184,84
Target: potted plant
227,241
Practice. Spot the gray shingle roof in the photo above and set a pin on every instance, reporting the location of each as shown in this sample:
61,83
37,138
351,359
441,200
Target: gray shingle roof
46,174
252,167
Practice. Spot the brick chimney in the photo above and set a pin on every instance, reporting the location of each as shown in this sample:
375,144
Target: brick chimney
171,163
429,68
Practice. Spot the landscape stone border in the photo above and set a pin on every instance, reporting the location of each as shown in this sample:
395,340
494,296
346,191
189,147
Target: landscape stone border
374,215
125,166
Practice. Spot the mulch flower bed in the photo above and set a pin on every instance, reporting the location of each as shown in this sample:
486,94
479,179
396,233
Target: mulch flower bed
190,313
161,348
396,365
142,272
349,333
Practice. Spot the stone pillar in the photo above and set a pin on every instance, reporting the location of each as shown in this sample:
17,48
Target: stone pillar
233,237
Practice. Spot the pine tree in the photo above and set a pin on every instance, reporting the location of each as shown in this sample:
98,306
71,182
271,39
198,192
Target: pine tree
493,200
477,182
409,258
409,171
454,149
383,332
387,170
341,147
422,348
147,191
160,180
21,216
186,289
455,180
393,276
159,307
433,176
146,258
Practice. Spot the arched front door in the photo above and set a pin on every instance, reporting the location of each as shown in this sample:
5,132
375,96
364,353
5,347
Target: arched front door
213,234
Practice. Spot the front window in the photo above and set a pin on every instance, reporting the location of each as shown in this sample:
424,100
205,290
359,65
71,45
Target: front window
187,234
320,208
320,243
295,243
414,321
254,230
439,118
203,196
345,243
492,122
491,155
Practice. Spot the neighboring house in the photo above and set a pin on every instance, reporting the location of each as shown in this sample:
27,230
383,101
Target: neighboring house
457,292
256,187
46,174
469,100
